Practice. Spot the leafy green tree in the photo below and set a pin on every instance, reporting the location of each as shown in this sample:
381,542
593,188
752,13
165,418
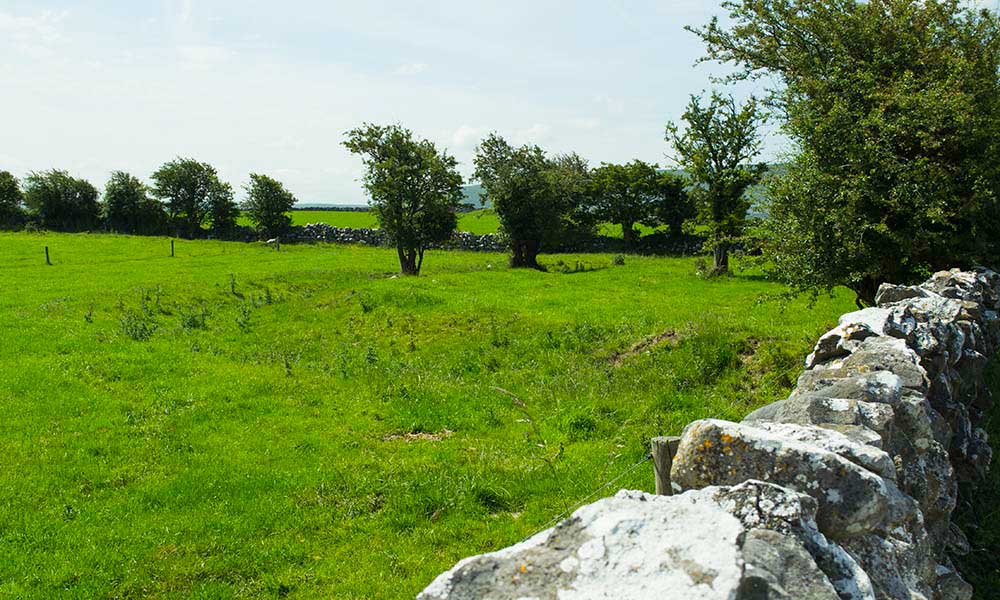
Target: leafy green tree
535,198
267,205
716,149
128,207
626,195
673,206
222,210
61,202
414,189
894,107
11,201
186,186
637,192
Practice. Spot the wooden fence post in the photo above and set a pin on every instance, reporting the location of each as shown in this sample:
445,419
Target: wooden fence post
663,450
277,244
171,248
47,261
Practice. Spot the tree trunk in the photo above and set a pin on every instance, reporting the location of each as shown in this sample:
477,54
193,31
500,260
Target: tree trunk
628,234
720,259
524,254
407,260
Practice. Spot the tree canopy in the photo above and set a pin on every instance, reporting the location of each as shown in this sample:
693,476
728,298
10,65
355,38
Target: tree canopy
128,207
535,198
186,186
894,109
62,202
717,148
11,201
413,187
267,205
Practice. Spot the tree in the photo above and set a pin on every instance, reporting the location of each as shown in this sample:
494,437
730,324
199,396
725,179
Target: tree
186,185
62,202
267,205
534,197
716,149
673,206
624,195
222,210
128,207
414,189
894,109
637,192
11,201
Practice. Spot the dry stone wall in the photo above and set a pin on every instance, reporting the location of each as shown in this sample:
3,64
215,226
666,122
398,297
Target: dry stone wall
842,491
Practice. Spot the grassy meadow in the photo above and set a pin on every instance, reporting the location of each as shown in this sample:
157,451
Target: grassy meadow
235,422
477,221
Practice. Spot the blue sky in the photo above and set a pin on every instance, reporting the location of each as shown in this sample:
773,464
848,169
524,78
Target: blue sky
271,87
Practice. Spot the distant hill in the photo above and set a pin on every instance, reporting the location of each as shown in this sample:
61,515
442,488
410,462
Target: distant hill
473,196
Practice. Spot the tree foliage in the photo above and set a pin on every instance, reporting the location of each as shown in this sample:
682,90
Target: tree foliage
129,209
11,202
222,210
626,195
894,106
413,187
637,192
186,186
716,150
537,199
267,205
61,202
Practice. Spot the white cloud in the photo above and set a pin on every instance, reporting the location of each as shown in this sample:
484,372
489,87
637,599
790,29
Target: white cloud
204,57
466,136
185,11
585,123
536,134
33,35
614,106
412,68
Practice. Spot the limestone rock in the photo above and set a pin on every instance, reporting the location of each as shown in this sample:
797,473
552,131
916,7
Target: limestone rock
754,540
851,498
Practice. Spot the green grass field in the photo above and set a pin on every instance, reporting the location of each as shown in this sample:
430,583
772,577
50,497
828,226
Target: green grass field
477,221
236,422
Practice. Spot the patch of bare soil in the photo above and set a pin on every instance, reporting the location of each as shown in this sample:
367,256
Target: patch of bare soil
424,436
669,336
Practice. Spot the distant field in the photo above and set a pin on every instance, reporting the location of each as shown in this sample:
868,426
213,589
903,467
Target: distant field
479,221
236,422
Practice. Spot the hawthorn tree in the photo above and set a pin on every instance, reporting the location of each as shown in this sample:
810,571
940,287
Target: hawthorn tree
537,199
414,189
186,186
673,206
626,195
267,205
222,210
62,202
11,201
128,207
894,108
716,150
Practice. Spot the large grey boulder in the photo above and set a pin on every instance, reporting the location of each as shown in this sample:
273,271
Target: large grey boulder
748,542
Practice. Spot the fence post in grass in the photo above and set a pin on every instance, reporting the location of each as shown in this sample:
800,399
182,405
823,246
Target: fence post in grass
47,261
171,248
277,244
663,450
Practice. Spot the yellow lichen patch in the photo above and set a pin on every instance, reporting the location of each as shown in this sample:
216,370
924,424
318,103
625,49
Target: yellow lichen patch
726,438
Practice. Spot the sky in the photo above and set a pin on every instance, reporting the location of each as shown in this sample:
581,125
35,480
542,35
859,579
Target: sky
271,87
